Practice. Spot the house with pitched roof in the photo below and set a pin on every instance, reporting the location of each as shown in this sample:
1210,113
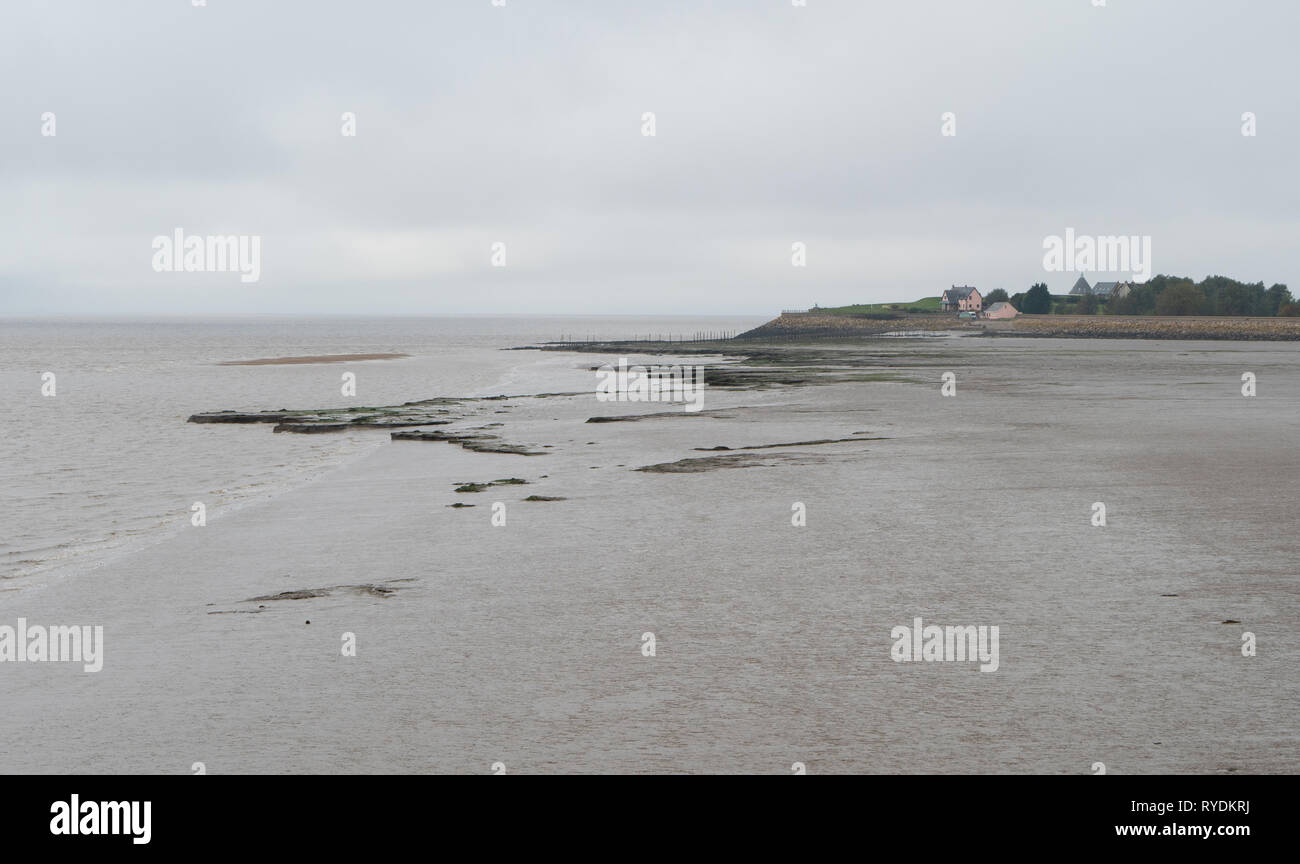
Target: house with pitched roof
1001,310
963,299
1104,290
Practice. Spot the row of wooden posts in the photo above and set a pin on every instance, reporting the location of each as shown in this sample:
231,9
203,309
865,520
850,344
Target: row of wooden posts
698,336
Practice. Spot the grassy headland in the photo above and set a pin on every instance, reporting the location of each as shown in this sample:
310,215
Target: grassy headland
925,304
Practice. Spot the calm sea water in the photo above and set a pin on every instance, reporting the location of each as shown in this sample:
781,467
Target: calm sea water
108,463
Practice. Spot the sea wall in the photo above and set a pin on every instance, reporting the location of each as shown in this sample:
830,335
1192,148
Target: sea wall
815,326
811,325
1151,327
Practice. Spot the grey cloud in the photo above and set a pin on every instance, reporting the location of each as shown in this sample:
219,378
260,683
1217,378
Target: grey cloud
521,124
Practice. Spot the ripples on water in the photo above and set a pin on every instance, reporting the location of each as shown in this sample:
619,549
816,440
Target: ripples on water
109,461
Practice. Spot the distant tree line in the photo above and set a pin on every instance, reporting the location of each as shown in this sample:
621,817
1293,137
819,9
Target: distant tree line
1169,295
1036,301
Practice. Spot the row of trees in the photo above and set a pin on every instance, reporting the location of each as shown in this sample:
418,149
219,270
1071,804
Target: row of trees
1167,295
1036,301
1215,295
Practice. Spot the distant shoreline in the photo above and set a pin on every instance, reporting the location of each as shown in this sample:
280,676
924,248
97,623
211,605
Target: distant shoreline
830,326
311,358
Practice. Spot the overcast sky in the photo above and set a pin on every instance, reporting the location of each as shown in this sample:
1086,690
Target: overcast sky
523,124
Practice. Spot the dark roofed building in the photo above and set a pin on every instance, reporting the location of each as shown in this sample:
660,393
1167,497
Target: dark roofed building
1112,289
963,299
1104,290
